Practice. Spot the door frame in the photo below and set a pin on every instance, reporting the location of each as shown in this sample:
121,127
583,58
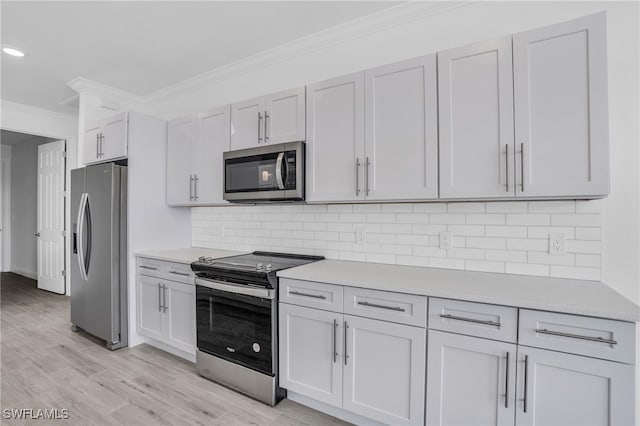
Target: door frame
5,210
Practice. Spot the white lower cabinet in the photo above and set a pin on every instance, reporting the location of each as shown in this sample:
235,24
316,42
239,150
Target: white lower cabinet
384,371
166,310
471,381
555,388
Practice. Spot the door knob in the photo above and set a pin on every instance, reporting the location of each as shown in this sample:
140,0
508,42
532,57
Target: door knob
37,234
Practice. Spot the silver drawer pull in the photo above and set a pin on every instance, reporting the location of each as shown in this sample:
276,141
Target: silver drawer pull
477,321
576,336
391,308
151,268
184,274
315,296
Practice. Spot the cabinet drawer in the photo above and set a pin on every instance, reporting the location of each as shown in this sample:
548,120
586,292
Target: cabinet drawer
594,337
149,267
312,294
474,319
387,306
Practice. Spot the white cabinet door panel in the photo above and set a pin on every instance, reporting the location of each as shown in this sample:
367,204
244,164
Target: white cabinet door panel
180,148
180,315
114,132
214,136
401,137
561,118
572,390
286,116
247,123
311,353
468,379
384,375
335,139
476,121
150,307
90,144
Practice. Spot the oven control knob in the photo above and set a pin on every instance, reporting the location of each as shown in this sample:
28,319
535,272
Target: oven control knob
201,259
268,267
259,267
209,260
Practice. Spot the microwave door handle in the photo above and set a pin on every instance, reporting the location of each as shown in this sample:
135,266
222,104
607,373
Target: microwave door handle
279,170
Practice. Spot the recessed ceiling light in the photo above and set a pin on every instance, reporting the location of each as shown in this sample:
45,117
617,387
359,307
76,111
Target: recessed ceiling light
12,52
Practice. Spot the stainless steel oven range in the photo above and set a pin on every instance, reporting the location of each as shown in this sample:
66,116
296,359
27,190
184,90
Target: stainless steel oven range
237,321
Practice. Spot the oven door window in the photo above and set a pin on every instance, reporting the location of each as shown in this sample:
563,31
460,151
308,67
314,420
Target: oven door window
235,327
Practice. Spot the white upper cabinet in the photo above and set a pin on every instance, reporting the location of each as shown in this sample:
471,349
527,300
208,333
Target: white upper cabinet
335,139
401,136
561,118
285,116
181,149
476,121
213,134
106,140
247,123
276,118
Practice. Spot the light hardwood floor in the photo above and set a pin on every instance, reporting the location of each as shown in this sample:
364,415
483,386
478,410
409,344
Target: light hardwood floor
46,366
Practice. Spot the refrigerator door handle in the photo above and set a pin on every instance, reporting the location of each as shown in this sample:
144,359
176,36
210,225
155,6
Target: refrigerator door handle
80,230
87,255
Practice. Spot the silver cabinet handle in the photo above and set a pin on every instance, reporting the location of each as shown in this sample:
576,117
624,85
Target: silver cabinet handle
195,187
315,296
101,145
576,336
506,382
259,125
522,166
357,176
366,176
159,297
184,274
506,164
151,268
477,321
266,121
375,305
335,332
526,380
346,327
164,299
190,187
97,145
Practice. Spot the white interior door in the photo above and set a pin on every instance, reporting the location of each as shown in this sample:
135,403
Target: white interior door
50,217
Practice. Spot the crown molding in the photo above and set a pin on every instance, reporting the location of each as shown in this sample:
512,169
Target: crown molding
360,27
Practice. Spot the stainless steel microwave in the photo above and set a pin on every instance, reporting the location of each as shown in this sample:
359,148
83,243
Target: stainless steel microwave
265,173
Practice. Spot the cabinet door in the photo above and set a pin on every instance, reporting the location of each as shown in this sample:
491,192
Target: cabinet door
561,118
384,372
335,139
150,307
114,138
247,123
555,388
311,353
470,381
401,135
285,118
91,144
475,86
214,135
180,147
180,315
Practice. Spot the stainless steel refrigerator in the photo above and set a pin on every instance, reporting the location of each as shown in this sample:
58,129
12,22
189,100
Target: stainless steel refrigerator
99,252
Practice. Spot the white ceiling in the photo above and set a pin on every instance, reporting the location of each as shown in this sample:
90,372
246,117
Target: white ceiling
141,47
12,138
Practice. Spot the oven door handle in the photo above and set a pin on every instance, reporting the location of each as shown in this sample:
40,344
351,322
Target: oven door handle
264,293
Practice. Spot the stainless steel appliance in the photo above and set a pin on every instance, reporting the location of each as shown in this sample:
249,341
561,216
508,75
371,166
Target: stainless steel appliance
237,321
99,252
265,173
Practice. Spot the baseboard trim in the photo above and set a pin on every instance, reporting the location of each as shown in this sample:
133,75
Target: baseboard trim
24,273
340,413
168,348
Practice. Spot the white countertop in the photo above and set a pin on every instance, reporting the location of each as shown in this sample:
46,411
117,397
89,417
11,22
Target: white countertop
186,255
592,298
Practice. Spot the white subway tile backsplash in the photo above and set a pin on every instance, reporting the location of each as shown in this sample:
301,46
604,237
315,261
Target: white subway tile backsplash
503,236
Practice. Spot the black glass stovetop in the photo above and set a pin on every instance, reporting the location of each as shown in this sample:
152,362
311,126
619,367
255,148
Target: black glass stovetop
255,269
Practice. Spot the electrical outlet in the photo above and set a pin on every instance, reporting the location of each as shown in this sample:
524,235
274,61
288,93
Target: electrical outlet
361,234
446,240
557,243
